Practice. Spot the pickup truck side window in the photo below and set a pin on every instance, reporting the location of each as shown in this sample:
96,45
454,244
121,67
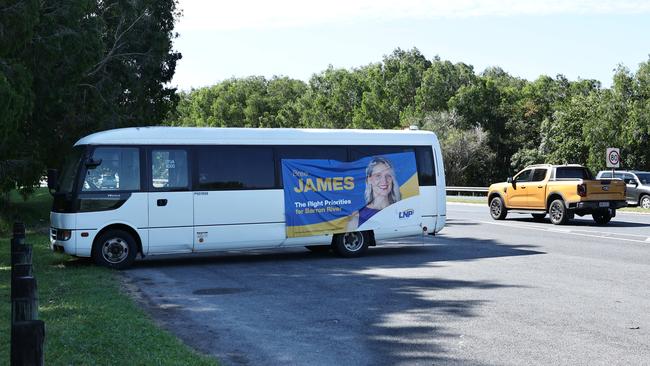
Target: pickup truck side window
539,175
644,178
629,179
524,176
569,172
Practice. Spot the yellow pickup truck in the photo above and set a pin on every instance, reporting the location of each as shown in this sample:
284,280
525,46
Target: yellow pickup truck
561,191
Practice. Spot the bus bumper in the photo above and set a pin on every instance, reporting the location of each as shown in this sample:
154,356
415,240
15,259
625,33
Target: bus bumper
63,241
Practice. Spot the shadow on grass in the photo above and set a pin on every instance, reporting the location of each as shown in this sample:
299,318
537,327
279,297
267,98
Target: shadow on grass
71,262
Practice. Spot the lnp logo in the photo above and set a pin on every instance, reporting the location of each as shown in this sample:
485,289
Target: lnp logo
406,213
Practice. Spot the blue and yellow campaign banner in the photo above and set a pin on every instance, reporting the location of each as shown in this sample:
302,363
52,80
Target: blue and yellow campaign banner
330,196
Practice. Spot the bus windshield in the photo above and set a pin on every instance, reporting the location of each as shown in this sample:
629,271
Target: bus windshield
118,170
70,170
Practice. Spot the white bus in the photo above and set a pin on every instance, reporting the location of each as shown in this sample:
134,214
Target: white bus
144,191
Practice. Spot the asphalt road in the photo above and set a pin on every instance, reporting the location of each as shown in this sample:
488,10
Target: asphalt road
482,292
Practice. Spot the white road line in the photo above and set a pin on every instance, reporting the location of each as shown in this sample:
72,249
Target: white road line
561,231
607,233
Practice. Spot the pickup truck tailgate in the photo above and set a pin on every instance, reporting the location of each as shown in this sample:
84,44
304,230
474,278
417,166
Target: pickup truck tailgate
605,190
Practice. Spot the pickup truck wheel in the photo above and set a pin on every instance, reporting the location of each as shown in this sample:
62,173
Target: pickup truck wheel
539,217
498,209
601,218
644,202
558,212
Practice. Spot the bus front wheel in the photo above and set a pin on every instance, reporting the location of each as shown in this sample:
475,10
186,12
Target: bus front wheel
352,244
115,249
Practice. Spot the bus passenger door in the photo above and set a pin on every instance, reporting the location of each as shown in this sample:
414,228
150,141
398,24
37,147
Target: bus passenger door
171,204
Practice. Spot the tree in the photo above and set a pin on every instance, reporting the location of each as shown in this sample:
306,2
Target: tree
247,102
70,68
563,139
440,83
332,98
391,89
466,154
17,22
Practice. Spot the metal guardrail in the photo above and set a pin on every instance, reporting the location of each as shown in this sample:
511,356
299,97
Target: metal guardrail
467,189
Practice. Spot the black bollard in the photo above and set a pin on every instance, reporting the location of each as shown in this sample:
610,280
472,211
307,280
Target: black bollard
24,305
22,270
23,255
19,270
17,244
27,339
19,230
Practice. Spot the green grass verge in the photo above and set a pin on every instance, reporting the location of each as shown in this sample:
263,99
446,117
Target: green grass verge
34,212
89,319
461,199
635,209
483,201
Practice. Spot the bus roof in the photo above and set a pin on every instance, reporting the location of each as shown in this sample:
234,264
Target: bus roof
255,136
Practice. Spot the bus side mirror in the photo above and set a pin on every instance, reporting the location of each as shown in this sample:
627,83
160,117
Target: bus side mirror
92,163
52,179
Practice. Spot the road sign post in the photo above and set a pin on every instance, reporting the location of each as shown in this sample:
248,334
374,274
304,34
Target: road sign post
613,158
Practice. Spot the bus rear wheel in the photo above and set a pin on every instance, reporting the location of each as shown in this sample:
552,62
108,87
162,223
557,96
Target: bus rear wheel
352,244
115,249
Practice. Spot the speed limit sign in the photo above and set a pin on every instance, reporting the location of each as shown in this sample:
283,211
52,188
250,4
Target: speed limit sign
613,157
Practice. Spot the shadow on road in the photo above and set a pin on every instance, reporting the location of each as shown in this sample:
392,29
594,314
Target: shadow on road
292,306
456,222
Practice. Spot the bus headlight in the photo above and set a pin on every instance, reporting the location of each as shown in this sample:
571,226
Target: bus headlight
63,234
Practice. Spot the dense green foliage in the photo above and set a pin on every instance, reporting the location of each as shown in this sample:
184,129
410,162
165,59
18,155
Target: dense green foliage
490,124
69,68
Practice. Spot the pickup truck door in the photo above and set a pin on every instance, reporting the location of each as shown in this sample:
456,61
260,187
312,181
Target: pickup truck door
518,192
536,189
632,193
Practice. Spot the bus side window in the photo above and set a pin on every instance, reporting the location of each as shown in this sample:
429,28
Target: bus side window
169,169
359,152
222,168
426,167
